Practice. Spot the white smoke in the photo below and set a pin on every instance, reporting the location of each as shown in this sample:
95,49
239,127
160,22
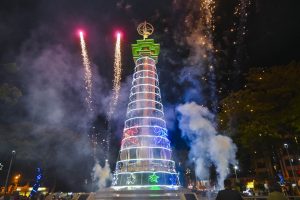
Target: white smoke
101,175
207,146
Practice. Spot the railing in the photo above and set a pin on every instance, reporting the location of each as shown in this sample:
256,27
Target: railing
213,197
265,197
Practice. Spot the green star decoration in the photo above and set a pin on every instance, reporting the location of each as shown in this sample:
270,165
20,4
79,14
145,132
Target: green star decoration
153,178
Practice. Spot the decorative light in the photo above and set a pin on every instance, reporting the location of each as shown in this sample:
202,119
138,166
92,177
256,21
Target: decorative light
143,172
144,108
144,84
143,100
131,179
146,159
37,182
153,136
145,132
131,94
144,57
146,147
174,187
173,180
144,77
142,64
115,180
143,126
144,70
153,178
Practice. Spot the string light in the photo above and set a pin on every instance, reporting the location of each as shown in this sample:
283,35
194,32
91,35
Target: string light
135,118
132,94
175,187
144,70
145,100
145,108
143,126
144,58
37,183
146,159
138,78
142,64
142,136
144,84
147,147
143,172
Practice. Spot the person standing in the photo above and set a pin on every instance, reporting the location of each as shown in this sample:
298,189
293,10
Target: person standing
228,193
276,192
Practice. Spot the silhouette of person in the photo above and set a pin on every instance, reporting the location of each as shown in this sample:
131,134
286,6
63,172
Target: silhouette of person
228,192
276,192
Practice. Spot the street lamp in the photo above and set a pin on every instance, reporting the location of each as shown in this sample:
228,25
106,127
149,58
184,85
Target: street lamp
287,151
235,168
13,153
17,177
17,180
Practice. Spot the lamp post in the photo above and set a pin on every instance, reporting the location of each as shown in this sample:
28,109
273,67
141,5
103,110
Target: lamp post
13,153
235,168
288,154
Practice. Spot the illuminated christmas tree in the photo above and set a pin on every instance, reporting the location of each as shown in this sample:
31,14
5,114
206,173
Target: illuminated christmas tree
145,157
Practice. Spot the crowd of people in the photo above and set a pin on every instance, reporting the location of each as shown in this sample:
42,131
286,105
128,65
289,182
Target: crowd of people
275,192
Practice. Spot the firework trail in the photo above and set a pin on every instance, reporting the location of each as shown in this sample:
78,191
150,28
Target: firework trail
208,9
116,89
87,71
88,86
200,27
117,76
201,40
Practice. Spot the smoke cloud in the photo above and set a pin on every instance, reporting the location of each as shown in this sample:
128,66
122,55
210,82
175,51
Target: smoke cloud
207,146
52,132
101,175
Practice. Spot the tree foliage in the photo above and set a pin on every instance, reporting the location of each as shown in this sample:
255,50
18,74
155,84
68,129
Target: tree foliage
266,111
9,88
9,94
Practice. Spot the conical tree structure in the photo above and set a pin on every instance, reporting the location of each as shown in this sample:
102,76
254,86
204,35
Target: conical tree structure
145,157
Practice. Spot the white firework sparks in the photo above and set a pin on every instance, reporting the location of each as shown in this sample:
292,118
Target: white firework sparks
87,71
117,75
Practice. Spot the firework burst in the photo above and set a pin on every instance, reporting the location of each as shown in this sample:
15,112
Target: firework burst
200,23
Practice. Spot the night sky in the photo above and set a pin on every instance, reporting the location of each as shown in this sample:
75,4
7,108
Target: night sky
48,124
